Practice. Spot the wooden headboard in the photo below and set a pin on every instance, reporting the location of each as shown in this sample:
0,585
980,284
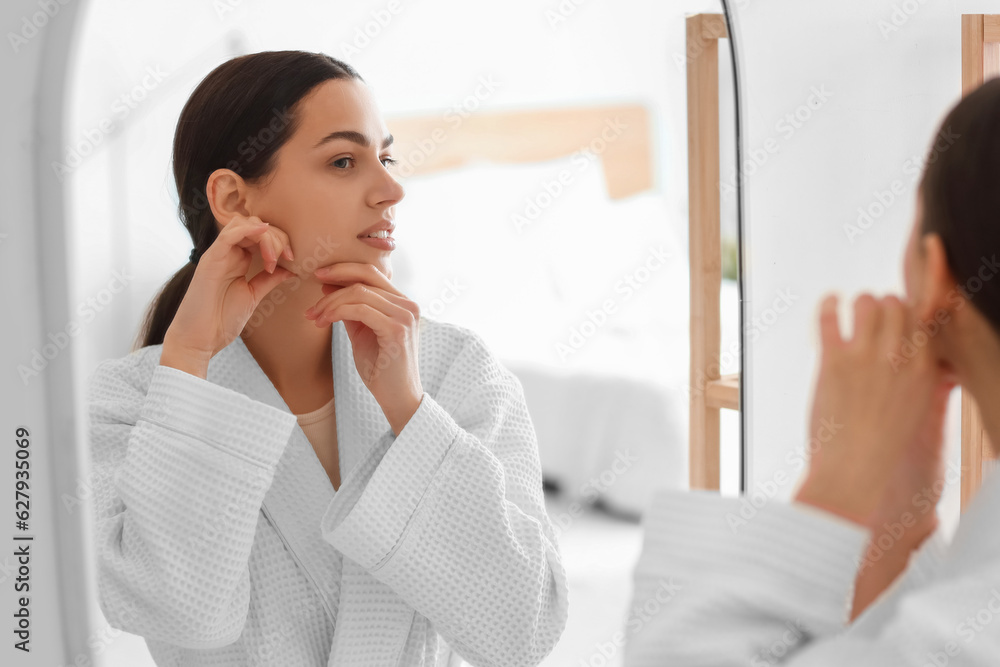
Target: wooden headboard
620,135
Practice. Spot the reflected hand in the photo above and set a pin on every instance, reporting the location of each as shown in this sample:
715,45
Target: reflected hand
383,327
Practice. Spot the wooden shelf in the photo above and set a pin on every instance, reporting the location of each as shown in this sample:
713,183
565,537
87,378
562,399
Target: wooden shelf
724,392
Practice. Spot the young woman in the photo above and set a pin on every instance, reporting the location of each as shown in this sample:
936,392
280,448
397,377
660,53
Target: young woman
780,588
296,467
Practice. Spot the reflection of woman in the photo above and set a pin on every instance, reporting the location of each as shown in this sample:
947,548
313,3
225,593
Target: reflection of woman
779,587
225,535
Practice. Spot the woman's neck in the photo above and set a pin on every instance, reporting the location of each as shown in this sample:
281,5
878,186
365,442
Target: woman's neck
290,349
976,360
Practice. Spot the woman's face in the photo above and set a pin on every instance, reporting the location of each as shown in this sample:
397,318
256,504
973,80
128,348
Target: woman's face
324,191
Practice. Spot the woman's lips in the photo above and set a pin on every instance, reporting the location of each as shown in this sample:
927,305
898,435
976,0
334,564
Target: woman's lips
388,243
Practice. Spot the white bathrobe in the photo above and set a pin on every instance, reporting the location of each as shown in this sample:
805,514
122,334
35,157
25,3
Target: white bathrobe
221,541
778,590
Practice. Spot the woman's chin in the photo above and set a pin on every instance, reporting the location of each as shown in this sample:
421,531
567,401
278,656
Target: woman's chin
307,273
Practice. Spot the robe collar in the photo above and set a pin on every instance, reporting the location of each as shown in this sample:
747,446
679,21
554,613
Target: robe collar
301,491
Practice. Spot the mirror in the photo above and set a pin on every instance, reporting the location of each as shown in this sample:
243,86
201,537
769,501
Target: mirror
563,161
834,150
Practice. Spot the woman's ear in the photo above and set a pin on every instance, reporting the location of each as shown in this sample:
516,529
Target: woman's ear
228,195
937,283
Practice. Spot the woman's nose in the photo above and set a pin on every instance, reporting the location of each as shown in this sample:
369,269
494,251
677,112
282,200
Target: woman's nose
396,190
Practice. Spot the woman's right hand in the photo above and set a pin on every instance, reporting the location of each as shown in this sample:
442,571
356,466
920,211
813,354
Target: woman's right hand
220,300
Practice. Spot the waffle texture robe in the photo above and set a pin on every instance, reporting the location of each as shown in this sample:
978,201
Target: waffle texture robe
221,541
717,586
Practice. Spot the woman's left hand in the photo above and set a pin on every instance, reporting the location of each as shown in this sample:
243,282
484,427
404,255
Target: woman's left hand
383,327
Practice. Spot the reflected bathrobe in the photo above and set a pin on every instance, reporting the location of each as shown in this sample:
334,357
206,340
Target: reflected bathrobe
779,590
221,541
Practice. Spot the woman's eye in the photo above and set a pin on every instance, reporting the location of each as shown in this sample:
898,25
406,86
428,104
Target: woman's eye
387,161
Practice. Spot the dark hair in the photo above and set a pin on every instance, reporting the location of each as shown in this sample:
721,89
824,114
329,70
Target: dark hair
237,118
960,190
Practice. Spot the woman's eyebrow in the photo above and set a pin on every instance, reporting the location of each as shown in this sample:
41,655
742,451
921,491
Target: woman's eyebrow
354,136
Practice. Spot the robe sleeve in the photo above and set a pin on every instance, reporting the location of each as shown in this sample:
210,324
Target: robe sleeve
452,518
774,586
179,472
